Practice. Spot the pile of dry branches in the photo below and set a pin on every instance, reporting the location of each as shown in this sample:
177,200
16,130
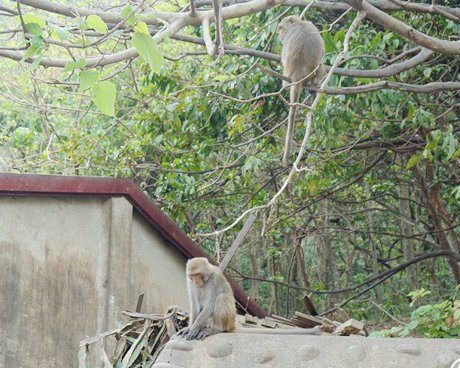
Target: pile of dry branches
137,343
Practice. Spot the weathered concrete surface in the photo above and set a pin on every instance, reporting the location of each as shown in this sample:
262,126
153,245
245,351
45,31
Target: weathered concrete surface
235,350
68,267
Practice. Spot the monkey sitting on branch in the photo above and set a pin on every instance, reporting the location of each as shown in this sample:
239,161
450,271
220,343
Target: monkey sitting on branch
303,49
212,304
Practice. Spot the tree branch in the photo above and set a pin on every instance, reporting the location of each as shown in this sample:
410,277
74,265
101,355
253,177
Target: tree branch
375,280
394,25
387,274
218,42
372,87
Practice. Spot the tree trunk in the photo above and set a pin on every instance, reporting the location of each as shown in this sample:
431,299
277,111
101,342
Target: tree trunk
329,262
375,269
301,265
408,244
436,211
254,289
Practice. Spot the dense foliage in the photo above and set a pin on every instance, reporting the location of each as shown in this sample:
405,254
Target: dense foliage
379,182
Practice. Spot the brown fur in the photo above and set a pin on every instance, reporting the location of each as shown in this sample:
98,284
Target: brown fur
213,289
303,49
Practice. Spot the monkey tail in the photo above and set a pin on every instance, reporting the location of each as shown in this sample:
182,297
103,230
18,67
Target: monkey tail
289,134
294,94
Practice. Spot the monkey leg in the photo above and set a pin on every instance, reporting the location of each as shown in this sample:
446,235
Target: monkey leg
223,318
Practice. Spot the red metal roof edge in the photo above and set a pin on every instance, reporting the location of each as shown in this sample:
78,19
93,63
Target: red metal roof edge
41,185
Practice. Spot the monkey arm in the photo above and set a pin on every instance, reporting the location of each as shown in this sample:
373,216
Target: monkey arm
194,302
196,328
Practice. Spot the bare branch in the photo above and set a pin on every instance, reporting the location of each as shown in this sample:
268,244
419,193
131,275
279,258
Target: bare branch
90,62
218,42
71,11
229,49
207,36
431,9
192,8
384,5
394,25
372,87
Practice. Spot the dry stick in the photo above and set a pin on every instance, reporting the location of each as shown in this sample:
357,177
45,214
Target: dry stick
152,317
140,300
295,169
387,313
239,239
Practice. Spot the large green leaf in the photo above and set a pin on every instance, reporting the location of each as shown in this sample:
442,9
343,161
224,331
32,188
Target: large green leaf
141,27
30,18
95,22
87,79
146,46
34,28
127,10
103,95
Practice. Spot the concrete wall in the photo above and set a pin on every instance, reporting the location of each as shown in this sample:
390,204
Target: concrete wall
68,267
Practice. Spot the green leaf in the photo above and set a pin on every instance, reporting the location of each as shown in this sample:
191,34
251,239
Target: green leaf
411,111
451,145
329,42
60,33
135,349
31,51
414,159
34,64
31,67
33,28
95,22
87,79
30,18
456,153
146,46
36,40
141,27
431,146
127,10
71,65
103,96
340,35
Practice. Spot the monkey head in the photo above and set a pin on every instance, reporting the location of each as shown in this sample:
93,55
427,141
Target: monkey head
285,24
198,270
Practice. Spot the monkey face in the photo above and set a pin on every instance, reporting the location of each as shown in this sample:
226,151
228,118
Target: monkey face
196,279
